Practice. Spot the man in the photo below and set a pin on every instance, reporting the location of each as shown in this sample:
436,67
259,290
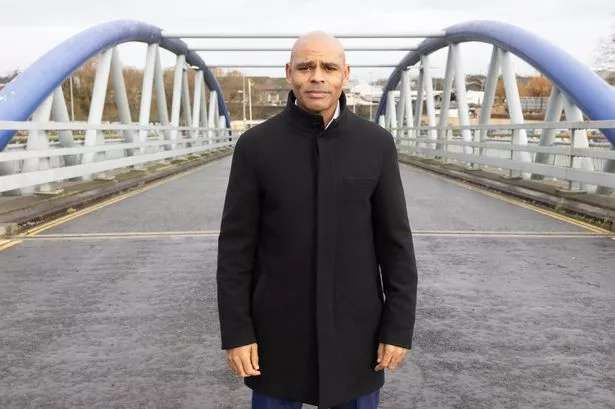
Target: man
314,230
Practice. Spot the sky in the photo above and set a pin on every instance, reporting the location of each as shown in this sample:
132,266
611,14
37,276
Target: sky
32,27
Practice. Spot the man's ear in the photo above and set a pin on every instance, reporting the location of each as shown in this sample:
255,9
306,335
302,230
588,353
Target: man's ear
288,69
346,73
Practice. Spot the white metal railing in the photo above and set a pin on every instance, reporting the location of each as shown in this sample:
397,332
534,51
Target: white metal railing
582,168
85,150
50,164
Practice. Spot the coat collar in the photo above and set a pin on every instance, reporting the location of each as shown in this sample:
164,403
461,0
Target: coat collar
311,122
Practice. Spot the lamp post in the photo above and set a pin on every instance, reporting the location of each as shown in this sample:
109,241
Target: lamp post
371,101
250,99
243,95
72,103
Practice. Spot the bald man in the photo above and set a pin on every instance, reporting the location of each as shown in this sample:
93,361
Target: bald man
316,270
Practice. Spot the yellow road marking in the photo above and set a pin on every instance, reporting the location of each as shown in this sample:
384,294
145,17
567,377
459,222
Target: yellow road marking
36,230
598,232
5,244
131,234
566,219
214,233
64,219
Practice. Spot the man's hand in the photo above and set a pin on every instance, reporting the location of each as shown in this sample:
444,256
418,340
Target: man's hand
390,356
244,360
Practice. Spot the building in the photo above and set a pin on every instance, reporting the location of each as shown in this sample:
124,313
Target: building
270,94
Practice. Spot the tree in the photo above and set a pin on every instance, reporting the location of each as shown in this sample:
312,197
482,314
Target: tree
8,77
604,59
475,82
500,90
538,87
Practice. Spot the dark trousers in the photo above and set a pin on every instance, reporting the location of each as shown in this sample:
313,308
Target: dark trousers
267,402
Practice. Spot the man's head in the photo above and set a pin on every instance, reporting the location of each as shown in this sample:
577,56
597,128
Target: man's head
317,72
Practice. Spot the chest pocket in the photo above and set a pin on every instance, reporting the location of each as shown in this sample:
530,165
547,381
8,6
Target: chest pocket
357,188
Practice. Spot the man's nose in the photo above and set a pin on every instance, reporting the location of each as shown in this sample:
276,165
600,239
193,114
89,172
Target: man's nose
317,75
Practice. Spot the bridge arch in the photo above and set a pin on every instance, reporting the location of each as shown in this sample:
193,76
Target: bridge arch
578,82
21,97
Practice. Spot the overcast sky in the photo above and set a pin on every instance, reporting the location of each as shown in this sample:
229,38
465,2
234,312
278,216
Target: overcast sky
32,27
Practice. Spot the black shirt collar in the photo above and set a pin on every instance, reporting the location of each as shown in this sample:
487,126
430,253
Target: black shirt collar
306,120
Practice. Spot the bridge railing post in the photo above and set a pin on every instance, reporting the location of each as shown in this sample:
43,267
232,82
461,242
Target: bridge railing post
196,107
149,75
213,116
121,97
94,137
187,109
38,140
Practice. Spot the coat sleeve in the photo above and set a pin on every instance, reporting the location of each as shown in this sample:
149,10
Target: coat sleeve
395,253
236,249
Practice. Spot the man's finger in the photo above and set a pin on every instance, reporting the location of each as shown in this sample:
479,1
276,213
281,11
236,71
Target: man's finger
380,352
248,369
232,366
254,356
239,365
386,360
395,360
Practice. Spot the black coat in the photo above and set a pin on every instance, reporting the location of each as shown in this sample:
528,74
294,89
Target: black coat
313,218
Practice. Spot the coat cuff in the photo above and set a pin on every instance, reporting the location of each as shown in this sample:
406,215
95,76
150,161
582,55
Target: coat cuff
239,339
400,337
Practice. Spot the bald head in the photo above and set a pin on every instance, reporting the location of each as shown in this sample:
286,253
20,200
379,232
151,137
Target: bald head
319,41
317,72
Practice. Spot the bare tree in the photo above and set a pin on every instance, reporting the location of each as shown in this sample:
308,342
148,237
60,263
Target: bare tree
604,59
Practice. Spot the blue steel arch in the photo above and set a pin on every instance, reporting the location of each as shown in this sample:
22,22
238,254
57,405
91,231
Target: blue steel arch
20,98
594,96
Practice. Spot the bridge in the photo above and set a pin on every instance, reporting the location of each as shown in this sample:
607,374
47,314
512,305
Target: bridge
107,278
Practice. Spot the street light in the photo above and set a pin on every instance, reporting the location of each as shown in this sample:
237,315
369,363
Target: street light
250,99
243,93
243,100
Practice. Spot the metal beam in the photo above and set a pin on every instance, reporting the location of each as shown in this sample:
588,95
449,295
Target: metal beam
514,106
26,125
547,137
282,65
59,113
204,114
407,117
404,97
213,114
259,49
446,94
97,105
161,96
147,90
461,96
177,94
391,116
410,34
186,106
579,140
38,140
418,107
121,97
196,105
489,94
429,99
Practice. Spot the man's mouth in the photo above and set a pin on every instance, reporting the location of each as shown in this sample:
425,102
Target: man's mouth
317,93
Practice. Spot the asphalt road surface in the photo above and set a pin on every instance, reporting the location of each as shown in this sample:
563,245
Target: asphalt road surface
117,308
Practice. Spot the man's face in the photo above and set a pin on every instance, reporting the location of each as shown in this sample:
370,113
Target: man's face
317,73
